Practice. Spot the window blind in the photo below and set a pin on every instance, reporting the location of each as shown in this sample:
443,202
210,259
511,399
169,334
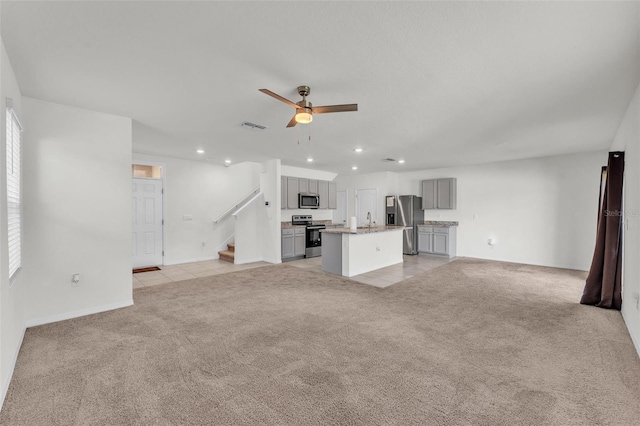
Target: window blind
14,209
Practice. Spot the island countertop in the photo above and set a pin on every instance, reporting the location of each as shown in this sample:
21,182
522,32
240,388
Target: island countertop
364,230
439,223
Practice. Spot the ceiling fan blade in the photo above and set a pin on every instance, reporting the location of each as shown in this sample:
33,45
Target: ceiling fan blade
278,97
293,121
334,108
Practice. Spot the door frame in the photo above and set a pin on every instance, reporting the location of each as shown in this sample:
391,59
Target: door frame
346,206
164,185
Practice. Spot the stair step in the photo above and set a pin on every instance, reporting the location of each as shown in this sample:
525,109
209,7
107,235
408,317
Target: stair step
232,246
227,256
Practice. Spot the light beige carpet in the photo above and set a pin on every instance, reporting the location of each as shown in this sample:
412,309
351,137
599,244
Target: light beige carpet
469,343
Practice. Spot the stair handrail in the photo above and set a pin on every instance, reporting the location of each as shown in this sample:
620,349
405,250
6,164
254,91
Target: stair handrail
255,197
246,199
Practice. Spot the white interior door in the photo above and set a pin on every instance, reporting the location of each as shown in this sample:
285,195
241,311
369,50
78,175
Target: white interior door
340,215
147,222
366,201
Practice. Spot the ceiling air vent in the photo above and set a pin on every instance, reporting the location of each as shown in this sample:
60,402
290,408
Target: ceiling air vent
389,160
253,126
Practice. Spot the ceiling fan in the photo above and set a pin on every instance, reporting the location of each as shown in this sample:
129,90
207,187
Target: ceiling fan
304,110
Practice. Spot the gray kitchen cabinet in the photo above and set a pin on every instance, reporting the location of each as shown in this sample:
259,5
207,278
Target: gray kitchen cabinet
425,239
303,185
292,192
313,186
299,243
293,242
283,192
429,193
333,195
287,243
323,192
439,194
439,241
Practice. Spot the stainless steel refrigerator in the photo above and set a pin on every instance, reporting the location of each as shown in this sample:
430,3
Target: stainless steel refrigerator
405,210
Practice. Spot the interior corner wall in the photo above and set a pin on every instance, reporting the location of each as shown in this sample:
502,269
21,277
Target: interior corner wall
628,139
196,194
308,174
77,211
12,294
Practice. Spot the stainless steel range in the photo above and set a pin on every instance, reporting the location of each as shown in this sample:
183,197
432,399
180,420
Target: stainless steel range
313,236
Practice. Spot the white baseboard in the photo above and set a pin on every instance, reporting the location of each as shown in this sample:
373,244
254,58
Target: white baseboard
198,259
7,380
634,339
251,260
75,314
272,260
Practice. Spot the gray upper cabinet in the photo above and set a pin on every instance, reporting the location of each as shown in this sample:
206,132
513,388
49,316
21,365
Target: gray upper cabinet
303,185
323,192
333,196
292,193
429,194
439,194
313,186
290,187
283,192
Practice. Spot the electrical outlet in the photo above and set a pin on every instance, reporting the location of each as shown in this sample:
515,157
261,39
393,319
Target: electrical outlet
636,297
75,280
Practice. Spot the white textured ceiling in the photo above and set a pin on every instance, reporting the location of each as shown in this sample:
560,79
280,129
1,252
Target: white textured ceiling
437,83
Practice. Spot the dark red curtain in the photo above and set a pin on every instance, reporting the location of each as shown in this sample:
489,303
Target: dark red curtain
603,287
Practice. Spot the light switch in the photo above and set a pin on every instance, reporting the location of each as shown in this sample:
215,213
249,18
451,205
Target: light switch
187,217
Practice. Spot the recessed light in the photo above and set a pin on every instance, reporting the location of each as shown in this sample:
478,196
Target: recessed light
227,161
358,150
354,168
200,151
310,160
401,161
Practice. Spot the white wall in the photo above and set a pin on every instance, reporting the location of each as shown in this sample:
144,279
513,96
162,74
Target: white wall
308,174
203,191
12,295
628,139
77,211
270,186
386,183
541,211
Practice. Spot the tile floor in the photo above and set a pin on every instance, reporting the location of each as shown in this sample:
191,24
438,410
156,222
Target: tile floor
384,277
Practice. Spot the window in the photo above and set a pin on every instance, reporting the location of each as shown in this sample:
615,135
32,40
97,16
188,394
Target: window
13,190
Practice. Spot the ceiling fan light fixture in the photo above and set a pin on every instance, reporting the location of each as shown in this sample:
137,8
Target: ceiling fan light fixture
303,116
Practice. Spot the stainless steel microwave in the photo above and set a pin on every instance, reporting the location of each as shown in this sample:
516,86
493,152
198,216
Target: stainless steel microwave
308,201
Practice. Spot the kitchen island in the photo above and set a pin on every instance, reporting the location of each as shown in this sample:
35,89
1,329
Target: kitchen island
349,253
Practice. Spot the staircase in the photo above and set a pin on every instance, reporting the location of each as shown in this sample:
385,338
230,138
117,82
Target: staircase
229,254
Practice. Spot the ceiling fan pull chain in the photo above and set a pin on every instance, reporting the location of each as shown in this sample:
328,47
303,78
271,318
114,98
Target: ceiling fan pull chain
309,132
298,135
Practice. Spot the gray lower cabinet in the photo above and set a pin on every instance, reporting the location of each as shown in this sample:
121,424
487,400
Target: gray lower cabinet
293,243
439,194
299,243
440,241
287,243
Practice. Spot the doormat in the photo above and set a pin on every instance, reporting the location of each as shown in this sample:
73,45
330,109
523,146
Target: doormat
152,268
